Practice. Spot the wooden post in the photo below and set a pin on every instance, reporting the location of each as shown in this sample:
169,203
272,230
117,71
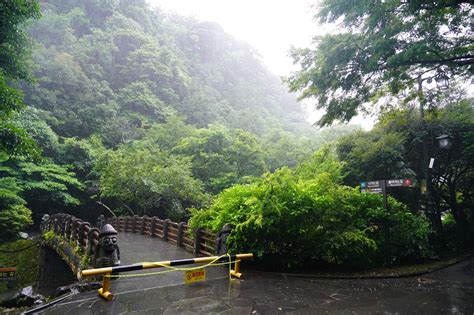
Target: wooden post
75,230
92,241
142,228
153,226
84,227
134,223
127,222
166,229
179,241
115,223
197,242
68,231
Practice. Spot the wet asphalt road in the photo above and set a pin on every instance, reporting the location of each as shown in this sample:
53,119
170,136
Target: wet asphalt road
448,291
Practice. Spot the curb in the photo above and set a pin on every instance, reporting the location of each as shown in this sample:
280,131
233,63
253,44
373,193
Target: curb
349,277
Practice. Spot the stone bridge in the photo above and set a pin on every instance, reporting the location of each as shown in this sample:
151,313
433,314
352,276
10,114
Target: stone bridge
70,245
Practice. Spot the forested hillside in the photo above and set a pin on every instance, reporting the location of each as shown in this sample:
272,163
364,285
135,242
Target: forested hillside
130,109
116,67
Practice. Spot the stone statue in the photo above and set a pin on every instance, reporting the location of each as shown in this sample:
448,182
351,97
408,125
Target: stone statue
221,240
107,251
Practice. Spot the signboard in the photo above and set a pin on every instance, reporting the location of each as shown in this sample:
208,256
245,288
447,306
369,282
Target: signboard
372,187
400,183
192,276
378,186
7,274
378,190
371,184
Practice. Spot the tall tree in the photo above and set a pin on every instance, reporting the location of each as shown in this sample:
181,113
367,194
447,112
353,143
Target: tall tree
14,65
383,48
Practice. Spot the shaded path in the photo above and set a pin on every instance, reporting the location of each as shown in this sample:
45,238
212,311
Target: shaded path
448,291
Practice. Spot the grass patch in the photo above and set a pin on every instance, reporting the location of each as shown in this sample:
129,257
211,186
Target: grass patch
25,261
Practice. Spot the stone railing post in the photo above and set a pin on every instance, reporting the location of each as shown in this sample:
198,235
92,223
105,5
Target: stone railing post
92,241
115,222
134,223
60,224
100,221
153,226
179,241
75,230
166,229
197,242
221,240
55,224
84,228
127,222
142,228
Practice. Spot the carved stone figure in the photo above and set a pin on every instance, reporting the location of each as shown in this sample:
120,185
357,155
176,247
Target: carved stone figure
221,240
107,251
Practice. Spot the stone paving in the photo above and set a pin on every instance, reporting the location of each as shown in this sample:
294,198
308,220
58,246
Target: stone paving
448,291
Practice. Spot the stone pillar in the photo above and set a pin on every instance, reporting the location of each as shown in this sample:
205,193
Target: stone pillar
166,229
142,228
100,221
134,223
92,241
153,226
180,234
221,240
127,222
84,228
197,242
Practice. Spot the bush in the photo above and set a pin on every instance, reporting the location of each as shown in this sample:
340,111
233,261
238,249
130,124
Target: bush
290,221
14,219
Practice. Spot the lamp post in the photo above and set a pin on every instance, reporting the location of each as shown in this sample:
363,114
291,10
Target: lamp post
442,82
444,142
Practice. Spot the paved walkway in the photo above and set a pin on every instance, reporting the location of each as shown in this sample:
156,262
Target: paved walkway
449,291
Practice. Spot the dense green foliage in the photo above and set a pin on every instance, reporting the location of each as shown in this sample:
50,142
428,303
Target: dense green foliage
382,49
14,216
393,150
138,111
14,140
14,65
146,178
292,219
116,71
151,112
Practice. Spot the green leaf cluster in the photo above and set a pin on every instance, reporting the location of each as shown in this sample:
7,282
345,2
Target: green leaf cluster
394,150
382,49
150,180
295,218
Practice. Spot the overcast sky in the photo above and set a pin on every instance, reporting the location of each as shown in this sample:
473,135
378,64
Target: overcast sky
271,26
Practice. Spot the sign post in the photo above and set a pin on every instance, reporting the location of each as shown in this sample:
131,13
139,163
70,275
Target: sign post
380,187
7,274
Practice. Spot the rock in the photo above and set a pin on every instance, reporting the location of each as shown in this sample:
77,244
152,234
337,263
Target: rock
23,235
77,287
25,297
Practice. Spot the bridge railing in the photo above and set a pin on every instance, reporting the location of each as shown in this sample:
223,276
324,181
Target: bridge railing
200,242
78,233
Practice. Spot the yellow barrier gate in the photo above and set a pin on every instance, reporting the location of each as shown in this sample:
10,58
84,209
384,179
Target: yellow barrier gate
110,272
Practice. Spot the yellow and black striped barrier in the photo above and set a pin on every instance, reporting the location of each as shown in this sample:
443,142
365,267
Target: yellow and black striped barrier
109,272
